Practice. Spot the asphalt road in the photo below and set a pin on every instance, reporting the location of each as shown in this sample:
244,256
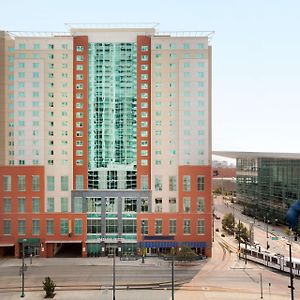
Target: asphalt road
74,275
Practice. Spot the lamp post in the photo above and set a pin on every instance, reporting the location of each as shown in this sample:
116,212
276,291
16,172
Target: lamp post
291,286
143,233
172,273
114,274
239,239
23,267
267,230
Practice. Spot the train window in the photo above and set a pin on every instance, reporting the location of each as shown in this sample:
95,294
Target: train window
260,255
274,260
267,258
254,253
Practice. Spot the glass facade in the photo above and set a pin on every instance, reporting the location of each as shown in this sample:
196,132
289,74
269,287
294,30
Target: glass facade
268,186
112,116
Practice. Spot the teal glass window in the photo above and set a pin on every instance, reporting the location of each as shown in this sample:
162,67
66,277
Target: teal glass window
21,183
36,205
21,227
64,183
64,204
7,227
50,204
35,227
78,205
50,227
35,183
64,229
78,226
113,75
6,205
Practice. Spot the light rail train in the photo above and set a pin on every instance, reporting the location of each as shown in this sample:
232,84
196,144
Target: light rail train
271,260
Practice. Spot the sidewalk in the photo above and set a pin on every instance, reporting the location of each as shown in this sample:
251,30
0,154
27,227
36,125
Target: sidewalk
78,261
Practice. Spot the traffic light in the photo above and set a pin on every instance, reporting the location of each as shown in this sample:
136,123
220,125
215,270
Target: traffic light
268,246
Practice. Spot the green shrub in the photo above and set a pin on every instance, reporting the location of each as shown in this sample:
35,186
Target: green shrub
49,287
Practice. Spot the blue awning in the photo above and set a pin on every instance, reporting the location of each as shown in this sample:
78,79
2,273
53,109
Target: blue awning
172,244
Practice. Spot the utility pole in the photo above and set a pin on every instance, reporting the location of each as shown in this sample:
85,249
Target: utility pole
245,252
261,287
114,275
267,231
143,234
291,286
172,273
239,239
23,268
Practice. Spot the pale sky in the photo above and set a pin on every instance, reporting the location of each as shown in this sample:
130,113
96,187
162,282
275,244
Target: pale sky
256,56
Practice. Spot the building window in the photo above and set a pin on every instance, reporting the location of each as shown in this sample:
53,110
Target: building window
36,205
200,226
21,183
64,183
78,206
129,226
35,183
79,48
64,229
7,183
144,182
7,227
144,227
187,204
21,205
158,226
186,183
200,183
144,58
93,226
111,226
200,205
158,183
64,204
144,204
111,204
35,227
6,205
172,183
172,227
158,204
79,57
172,204
78,226
50,227
79,182
21,227
50,183
144,48
186,226
129,204
50,204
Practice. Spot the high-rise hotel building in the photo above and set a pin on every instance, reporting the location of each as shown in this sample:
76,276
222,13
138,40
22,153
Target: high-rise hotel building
105,141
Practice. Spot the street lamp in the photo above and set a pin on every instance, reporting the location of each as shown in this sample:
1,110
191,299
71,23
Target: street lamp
23,268
114,274
267,230
172,273
291,286
143,233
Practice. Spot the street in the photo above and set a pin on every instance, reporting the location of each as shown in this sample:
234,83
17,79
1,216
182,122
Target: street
221,277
